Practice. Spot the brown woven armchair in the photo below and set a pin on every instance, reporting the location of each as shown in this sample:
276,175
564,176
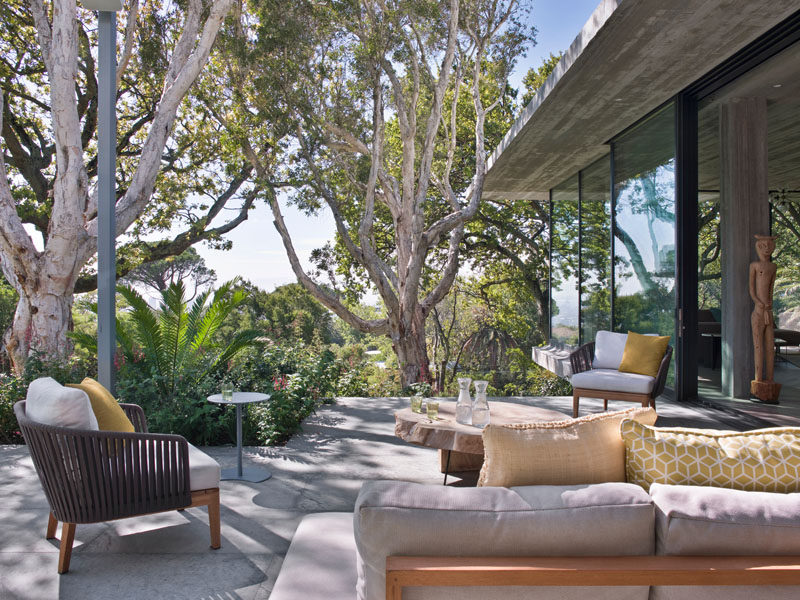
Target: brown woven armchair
95,476
581,362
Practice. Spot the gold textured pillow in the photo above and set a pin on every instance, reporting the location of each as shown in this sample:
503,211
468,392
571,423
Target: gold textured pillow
643,353
110,416
763,460
573,451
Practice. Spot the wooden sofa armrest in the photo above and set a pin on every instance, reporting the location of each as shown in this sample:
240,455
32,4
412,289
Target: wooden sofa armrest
581,359
661,376
434,571
135,413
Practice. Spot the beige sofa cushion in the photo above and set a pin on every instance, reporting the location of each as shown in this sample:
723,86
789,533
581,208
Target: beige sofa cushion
694,520
410,519
321,561
573,451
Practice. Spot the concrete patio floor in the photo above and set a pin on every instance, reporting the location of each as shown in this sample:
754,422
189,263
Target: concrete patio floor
167,555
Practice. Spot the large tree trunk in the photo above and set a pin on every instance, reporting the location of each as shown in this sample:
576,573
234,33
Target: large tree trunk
45,280
408,342
41,321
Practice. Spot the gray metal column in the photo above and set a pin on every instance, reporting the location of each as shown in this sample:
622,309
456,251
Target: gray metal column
107,192
744,212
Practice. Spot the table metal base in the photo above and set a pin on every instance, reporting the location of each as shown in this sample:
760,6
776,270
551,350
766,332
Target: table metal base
248,474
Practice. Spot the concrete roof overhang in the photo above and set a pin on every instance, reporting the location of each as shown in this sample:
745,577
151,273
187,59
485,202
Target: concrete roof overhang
629,58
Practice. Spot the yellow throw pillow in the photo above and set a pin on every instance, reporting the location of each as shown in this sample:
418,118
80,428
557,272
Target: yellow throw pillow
110,416
763,460
643,353
573,451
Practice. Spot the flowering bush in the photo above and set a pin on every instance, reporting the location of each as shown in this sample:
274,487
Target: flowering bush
298,379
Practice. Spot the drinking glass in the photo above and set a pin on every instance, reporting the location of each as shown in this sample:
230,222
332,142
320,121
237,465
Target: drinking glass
227,392
433,410
416,404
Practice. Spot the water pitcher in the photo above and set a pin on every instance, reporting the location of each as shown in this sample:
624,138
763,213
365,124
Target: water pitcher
480,406
464,402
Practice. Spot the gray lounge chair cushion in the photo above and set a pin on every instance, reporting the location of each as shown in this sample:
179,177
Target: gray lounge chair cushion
203,470
694,520
398,518
613,381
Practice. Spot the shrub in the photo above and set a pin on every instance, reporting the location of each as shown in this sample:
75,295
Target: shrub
186,411
299,379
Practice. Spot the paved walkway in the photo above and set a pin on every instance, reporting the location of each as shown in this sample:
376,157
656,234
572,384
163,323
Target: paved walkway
166,556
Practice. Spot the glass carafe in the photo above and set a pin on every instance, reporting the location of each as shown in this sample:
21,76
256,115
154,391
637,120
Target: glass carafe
480,406
464,402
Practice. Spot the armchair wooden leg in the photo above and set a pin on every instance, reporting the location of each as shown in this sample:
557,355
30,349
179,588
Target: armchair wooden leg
213,520
575,402
65,550
605,403
52,523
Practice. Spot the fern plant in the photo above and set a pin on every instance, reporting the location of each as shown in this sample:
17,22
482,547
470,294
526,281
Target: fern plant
176,340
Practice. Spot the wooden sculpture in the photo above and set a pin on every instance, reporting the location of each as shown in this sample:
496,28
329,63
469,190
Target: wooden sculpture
762,281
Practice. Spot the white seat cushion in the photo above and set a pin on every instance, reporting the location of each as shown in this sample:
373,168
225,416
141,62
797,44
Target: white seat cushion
611,380
203,470
608,349
50,403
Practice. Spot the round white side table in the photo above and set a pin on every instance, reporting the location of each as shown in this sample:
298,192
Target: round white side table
251,474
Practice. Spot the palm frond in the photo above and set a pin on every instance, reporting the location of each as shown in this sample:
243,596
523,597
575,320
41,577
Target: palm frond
146,330
243,339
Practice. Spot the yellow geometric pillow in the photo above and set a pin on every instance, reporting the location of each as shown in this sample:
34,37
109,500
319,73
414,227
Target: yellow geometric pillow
110,416
763,460
643,353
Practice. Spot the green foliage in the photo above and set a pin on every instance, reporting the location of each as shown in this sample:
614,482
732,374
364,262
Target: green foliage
536,76
176,343
159,274
202,171
287,314
522,377
186,410
299,379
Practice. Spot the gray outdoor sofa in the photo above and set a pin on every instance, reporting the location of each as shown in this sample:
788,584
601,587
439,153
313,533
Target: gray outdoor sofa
338,556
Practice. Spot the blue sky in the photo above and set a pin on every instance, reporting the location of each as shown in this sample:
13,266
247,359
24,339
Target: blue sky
258,254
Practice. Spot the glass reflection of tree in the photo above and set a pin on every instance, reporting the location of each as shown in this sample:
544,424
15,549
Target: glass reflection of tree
651,195
596,265
565,266
786,228
708,252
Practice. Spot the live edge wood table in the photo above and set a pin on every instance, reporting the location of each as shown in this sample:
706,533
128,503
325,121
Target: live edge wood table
461,446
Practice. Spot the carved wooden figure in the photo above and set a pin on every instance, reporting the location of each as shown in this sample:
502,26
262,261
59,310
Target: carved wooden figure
762,282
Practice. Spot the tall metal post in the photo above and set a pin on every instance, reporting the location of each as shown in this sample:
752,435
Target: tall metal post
107,192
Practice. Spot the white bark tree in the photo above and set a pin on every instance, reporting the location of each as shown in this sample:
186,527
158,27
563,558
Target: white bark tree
45,279
377,147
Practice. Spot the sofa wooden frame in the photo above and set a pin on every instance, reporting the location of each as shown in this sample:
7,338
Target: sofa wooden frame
437,571
581,360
